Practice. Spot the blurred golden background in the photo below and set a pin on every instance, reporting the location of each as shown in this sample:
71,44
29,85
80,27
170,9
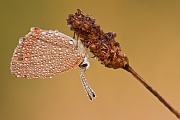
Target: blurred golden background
149,34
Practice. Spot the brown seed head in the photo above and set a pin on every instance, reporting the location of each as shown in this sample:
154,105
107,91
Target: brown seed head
101,44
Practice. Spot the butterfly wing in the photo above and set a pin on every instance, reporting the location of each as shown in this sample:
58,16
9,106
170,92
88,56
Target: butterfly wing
44,53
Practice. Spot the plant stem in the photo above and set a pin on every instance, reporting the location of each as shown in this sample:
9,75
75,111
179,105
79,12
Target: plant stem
154,92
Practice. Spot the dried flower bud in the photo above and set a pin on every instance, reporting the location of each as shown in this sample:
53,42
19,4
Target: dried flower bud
102,45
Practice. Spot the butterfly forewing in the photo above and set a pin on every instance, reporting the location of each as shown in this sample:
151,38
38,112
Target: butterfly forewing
44,53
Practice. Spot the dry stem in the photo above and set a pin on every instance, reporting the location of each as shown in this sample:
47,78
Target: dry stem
154,92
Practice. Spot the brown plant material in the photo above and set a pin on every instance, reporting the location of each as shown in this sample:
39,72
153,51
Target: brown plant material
106,49
101,44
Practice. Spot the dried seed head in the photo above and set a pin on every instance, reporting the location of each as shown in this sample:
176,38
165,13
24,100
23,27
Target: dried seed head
102,45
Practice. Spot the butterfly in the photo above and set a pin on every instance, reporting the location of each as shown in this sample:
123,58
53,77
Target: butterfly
45,53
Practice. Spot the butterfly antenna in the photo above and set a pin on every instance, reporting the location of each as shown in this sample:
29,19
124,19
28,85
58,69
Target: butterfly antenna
90,93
